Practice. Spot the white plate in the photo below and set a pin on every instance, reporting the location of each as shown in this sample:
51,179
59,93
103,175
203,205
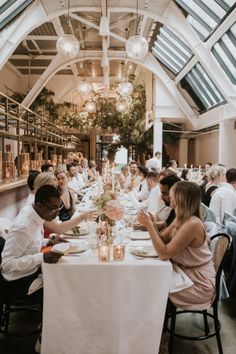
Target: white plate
83,230
140,235
68,248
144,251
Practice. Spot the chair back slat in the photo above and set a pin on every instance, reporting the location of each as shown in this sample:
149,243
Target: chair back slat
220,244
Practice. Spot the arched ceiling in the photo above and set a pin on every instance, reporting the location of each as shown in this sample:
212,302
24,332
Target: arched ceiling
185,48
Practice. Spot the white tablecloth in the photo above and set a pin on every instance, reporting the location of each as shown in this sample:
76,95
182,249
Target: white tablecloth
97,308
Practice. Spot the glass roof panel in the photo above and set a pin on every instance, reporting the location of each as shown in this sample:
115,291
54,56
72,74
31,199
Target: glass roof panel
10,9
204,16
224,51
170,50
201,88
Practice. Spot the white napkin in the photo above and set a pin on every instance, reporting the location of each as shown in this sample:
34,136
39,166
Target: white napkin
179,280
36,285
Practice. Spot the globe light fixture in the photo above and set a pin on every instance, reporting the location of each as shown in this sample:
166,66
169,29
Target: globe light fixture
84,87
125,88
137,47
121,106
69,45
90,106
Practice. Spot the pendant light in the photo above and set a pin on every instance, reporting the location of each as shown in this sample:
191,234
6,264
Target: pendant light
68,44
137,45
83,86
90,106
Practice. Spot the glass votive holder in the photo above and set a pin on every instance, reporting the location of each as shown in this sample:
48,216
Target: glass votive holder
104,253
118,252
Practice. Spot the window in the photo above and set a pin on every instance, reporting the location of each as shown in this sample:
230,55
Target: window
170,50
10,9
204,16
224,51
201,88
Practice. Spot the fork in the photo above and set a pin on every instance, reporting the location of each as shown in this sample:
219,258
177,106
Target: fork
139,258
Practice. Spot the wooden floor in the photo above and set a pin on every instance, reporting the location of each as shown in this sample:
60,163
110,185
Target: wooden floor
16,345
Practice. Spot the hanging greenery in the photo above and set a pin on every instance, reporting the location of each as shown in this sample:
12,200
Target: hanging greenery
130,125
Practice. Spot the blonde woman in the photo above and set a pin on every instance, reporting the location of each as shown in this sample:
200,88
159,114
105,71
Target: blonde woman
216,175
41,179
185,243
67,196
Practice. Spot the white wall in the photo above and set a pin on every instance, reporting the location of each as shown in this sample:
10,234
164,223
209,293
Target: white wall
206,148
227,143
11,81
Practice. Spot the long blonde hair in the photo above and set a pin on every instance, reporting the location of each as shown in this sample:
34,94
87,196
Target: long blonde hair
187,197
44,178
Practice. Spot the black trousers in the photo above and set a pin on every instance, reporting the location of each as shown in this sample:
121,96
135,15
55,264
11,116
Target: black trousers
18,289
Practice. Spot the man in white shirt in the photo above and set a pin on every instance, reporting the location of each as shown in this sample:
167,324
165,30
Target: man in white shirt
141,191
74,183
150,204
133,178
21,256
224,198
155,162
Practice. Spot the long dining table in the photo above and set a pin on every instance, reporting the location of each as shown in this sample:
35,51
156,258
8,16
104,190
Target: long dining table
104,308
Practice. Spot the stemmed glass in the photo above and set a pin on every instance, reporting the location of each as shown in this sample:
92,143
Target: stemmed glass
92,239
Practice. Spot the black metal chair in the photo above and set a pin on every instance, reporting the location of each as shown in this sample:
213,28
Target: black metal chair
221,245
10,304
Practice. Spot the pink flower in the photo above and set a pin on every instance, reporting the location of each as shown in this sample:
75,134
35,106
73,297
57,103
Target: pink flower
114,210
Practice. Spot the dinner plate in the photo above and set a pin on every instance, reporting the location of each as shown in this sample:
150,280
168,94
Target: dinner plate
79,230
71,233
144,251
140,235
67,248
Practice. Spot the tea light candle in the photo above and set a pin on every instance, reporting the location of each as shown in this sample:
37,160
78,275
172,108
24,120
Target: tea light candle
118,252
103,253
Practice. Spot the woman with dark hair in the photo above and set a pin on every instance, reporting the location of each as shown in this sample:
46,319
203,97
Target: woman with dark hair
186,244
184,175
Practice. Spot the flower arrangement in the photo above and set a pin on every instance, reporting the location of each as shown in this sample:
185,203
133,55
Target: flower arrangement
109,208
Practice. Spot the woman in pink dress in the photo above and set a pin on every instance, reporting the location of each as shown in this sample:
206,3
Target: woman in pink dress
185,243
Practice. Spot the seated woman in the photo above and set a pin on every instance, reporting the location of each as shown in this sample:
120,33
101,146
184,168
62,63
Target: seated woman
216,175
185,243
92,172
67,196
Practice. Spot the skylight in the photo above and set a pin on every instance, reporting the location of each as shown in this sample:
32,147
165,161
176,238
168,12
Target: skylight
224,51
204,16
170,50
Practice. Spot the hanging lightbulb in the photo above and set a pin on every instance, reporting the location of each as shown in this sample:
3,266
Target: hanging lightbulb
121,106
69,45
90,106
84,87
137,47
125,88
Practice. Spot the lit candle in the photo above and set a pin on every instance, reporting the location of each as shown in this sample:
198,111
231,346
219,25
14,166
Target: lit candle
185,165
118,252
104,253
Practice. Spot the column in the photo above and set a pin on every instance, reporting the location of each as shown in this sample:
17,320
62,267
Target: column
227,143
157,123
92,146
183,152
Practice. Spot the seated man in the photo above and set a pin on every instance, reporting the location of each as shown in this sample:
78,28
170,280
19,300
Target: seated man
224,198
21,256
141,191
165,185
149,204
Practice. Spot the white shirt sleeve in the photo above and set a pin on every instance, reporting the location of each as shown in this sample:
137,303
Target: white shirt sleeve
16,257
136,204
